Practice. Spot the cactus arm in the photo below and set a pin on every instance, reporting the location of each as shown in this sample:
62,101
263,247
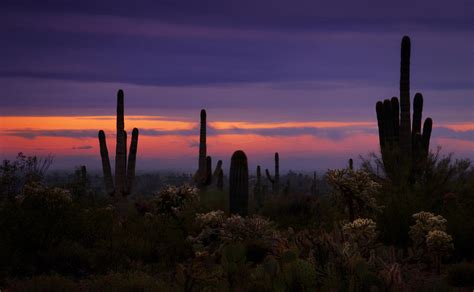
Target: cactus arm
380,121
388,122
106,169
132,160
417,113
396,119
405,125
277,173
259,176
417,149
427,127
269,177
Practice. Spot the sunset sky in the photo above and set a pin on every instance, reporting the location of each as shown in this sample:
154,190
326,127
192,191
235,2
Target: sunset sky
298,77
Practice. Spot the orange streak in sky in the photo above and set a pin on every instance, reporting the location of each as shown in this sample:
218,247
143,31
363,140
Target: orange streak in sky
178,146
91,123
320,124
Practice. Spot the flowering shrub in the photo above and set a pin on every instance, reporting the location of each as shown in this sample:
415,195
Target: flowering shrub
429,237
360,235
425,222
172,200
355,190
217,231
211,219
439,241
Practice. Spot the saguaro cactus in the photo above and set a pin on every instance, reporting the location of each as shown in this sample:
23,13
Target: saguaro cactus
257,191
403,145
217,170
239,184
275,181
124,176
208,171
220,180
201,174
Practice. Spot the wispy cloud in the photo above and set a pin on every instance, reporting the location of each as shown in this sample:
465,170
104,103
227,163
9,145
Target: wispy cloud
327,130
85,147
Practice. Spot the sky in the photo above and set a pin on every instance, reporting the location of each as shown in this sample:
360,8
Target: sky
298,77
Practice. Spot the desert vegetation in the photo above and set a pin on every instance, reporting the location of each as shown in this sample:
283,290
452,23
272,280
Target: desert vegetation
400,222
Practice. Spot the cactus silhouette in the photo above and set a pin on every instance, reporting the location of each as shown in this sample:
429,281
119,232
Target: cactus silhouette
351,164
257,191
220,180
403,145
202,177
275,181
202,167
217,170
208,180
124,177
239,184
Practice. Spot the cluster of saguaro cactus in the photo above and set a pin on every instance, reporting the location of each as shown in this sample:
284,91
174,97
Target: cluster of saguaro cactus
239,184
204,175
124,172
275,181
403,145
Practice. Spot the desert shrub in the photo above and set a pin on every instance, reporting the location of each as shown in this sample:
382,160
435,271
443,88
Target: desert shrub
130,281
23,170
355,191
360,235
293,211
257,234
425,224
37,221
443,185
461,275
430,239
44,283
171,200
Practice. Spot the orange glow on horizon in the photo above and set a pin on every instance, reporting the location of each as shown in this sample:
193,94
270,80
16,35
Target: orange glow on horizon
173,145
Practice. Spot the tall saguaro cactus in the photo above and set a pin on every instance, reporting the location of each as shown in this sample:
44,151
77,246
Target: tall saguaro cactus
202,167
276,179
258,191
403,145
124,177
239,184
405,127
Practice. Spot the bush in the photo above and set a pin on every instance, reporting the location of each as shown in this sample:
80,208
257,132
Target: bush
461,275
131,281
44,283
293,211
